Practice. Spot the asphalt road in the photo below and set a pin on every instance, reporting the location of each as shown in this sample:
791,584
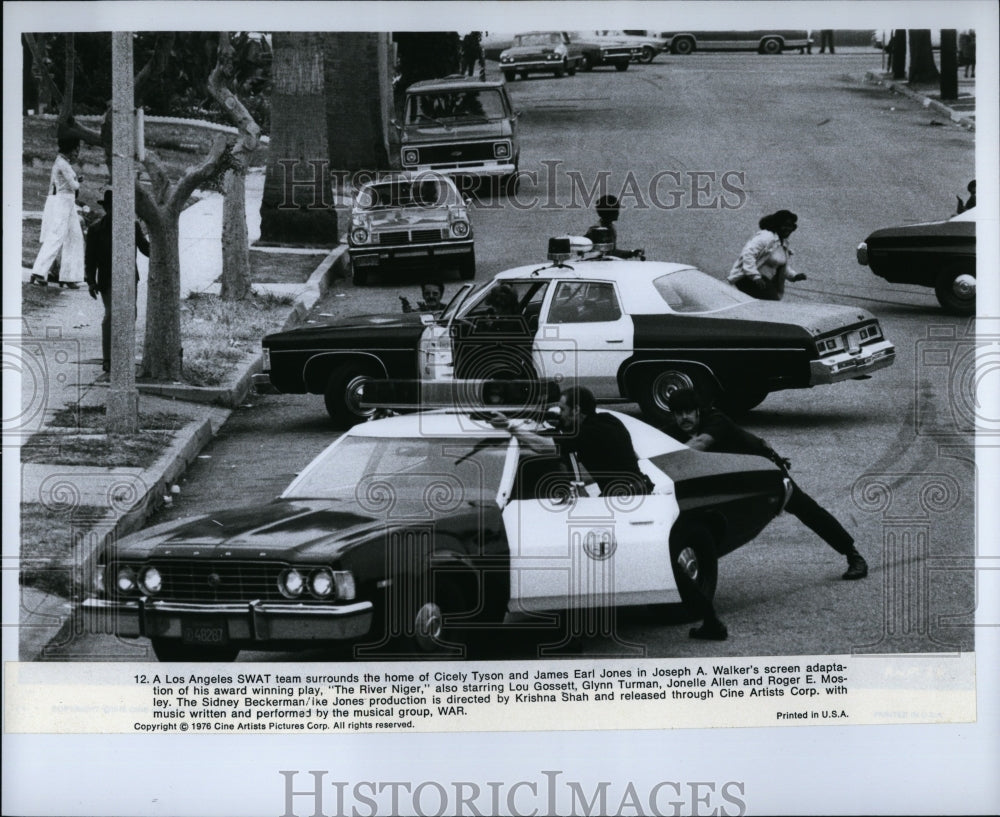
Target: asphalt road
890,456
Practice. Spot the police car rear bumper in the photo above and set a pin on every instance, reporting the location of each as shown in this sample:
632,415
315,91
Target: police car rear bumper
847,365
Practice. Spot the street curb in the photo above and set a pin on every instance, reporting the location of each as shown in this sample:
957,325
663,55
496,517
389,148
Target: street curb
175,460
927,102
171,464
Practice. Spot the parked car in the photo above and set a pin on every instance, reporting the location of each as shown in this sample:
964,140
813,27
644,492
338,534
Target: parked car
937,254
763,42
601,50
626,329
410,221
644,47
460,126
423,532
558,53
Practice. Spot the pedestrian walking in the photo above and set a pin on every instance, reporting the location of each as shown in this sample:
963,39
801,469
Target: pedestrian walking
711,430
61,235
762,266
98,269
473,58
825,40
967,52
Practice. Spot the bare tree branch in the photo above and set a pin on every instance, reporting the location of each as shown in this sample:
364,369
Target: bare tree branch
195,175
218,88
39,66
159,181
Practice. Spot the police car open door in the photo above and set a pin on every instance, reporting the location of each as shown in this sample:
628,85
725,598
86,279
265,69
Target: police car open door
571,549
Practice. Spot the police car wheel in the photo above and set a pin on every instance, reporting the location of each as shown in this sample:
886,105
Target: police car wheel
432,631
171,649
343,394
655,390
956,292
693,554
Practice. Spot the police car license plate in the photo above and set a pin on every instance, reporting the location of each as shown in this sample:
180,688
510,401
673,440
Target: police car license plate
205,631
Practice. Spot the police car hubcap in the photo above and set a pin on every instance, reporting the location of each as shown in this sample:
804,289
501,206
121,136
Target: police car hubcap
353,395
429,621
666,384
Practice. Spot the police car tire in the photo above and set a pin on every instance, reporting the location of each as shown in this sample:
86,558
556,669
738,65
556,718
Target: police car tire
950,300
172,649
432,632
654,387
695,539
342,379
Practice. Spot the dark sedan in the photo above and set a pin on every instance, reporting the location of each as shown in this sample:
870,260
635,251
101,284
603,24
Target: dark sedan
936,254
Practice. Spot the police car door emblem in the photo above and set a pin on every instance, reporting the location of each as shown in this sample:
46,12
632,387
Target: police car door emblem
600,543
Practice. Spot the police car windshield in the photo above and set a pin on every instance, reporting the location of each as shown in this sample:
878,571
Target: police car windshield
378,472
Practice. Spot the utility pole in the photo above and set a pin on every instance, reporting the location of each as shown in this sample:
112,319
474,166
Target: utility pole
123,400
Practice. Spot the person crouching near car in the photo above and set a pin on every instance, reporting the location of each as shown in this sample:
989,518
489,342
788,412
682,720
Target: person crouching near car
762,266
432,293
707,429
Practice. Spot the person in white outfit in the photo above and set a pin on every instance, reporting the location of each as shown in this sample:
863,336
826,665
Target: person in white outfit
62,236
762,266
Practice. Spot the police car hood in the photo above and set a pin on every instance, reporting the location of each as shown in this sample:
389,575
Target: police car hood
386,328
285,529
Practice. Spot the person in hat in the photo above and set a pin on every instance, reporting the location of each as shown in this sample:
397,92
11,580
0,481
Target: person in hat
762,266
608,208
97,263
61,235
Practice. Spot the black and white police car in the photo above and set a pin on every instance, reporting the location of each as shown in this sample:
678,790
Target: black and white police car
424,531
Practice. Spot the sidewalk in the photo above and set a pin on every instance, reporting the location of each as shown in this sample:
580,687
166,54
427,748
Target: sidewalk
961,111
60,357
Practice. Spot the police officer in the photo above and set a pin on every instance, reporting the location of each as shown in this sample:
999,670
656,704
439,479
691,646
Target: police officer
608,209
711,430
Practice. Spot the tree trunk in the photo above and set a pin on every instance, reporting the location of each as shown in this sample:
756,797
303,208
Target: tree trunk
897,54
297,205
162,353
235,242
949,63
922,67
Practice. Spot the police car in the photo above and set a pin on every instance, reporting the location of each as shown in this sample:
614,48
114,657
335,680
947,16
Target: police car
626,329
419,533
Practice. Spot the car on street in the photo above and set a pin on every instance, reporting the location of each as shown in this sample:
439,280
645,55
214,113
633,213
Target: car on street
561,54
410,221
644,48
418,534
936,254
766,41
459,126
626,329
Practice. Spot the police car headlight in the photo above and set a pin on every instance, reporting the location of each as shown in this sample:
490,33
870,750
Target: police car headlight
151,581
410,156
125,580
359,235
321,583
460,229
291,583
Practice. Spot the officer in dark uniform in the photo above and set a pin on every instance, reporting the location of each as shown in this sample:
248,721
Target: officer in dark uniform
604,231
711,430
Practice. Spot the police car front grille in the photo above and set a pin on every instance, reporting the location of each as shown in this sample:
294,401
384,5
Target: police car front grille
197,580
399,238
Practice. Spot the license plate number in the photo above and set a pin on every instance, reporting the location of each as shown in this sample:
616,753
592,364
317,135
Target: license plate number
204,632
